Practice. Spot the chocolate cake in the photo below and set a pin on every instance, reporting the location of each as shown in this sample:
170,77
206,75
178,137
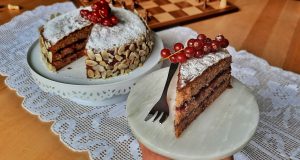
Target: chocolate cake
109,51
199,81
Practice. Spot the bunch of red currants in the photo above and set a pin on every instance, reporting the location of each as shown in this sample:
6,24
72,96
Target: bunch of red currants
197,48
101,14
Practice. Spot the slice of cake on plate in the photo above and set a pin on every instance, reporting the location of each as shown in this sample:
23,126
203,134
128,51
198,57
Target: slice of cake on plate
203,74
114,40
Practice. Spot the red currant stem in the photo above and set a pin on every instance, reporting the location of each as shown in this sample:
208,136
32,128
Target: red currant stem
162,59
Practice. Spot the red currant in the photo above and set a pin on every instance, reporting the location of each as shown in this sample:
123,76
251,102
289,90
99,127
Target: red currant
201,37
190,43
181,58
106,22
189,52
95,14
104,12
103,2
198,44
207,48
114,20
84,13
208,40
199,54
224,43
165,53
215,46
219,38
178,46
173,59
96,6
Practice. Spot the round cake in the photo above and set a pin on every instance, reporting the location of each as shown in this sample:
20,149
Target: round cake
109,50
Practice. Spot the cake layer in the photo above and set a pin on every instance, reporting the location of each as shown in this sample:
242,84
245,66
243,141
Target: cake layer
68,59
180,127
74,37
193,87
64,52
188,106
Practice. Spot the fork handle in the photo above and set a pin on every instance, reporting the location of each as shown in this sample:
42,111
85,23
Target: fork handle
172,70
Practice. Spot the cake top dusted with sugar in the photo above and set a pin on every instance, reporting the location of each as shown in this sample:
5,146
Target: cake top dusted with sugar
129,28
195,67
61,26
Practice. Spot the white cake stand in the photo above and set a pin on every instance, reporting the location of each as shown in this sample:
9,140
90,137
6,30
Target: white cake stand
223,129
71,82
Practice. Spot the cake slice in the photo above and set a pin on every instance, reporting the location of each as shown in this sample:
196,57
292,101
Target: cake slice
200,82
195,85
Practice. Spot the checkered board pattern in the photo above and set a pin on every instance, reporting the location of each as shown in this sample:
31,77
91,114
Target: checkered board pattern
167,13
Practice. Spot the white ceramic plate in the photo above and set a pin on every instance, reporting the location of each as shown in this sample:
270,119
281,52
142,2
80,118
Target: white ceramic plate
221,130
73,84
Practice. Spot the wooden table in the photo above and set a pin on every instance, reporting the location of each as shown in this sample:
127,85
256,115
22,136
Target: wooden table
268,28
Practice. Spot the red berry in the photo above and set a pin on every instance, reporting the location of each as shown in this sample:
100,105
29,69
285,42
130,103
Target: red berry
173,59
84,13
207,48
89,16
199,54
198,44
189,52
103,2
165,53
95,14
104,12
178,46
208,40
190,43
224,43
215,46
219,38
114,20
106,22
96,6
201,37
181,58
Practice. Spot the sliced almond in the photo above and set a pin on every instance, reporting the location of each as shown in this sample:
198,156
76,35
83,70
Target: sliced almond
142,53
90,63
91,54
103,74
132,66
102,63
122,66
50,55
97,74
109,73
143,59
144,46
104,55
90,73
98,57
115,74
118,58
121,50
127,71
122,71
127,53
132,47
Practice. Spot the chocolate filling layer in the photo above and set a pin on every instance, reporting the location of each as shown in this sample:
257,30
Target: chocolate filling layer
212,85
199,109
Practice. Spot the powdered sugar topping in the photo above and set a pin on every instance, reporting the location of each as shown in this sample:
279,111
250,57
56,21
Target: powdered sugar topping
63,25
195,67
129,28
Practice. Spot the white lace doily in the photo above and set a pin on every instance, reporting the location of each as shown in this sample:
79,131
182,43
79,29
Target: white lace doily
104,132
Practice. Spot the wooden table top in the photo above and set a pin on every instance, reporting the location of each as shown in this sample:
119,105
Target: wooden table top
269,29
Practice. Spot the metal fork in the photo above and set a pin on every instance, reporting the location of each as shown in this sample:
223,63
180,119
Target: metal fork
161,107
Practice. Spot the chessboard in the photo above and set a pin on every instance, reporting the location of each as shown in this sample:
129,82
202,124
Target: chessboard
161,14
